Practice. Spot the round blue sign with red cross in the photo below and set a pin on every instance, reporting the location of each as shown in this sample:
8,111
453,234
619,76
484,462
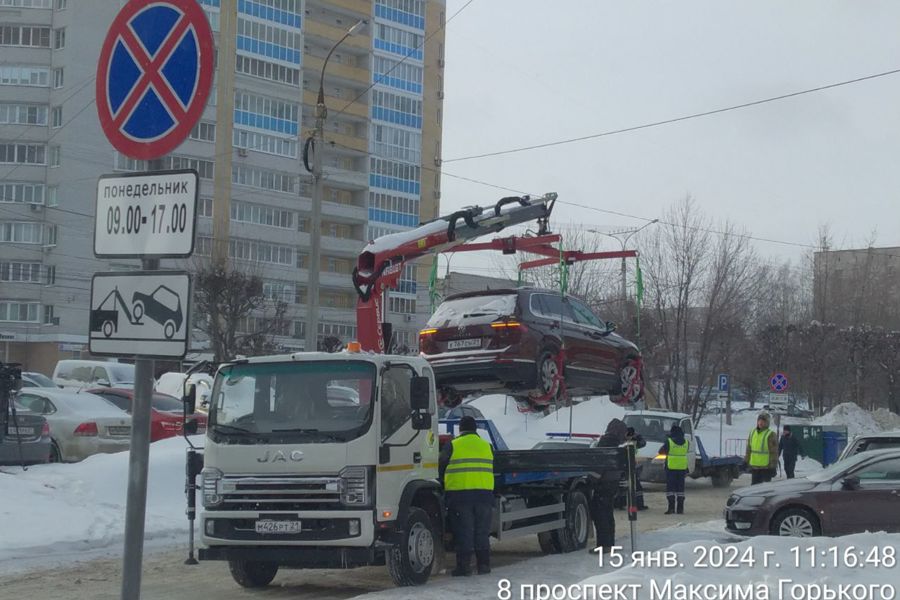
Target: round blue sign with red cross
154,75
779,382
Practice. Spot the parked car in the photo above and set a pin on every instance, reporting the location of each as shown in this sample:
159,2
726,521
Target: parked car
567,443
166,412
33,379
81,424
861,493
93,373
508,339
871,441
26,439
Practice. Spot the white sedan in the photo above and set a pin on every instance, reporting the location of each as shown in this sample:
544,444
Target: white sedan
81,424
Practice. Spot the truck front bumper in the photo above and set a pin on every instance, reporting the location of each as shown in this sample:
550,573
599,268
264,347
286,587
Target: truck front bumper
309,557
325,528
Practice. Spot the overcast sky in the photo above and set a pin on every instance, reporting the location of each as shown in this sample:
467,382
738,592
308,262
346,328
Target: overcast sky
523,72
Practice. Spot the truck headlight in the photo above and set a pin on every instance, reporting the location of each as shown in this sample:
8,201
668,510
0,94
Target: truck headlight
211,479
355,486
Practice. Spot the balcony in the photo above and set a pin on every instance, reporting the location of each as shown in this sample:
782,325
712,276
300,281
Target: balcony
352,179
357,109
336,69
362,8
343,141
330,34
345,212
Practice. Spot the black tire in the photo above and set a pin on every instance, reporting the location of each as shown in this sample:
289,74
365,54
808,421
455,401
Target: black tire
411,559
575,534
796,522
721,479
545,368
548,542
252,574
55,454
627,374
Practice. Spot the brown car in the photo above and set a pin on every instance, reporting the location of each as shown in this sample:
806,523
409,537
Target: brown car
507,340
861,493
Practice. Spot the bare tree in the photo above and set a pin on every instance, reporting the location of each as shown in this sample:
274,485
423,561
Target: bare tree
232,309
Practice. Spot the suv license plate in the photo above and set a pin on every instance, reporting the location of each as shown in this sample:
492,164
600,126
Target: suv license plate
461,344
278,527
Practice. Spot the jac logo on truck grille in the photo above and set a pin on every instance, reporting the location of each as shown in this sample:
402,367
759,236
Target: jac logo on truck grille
279,456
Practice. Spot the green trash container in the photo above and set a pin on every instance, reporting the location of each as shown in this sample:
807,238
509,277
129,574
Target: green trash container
813,440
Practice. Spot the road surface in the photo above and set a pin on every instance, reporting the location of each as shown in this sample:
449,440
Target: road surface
165,577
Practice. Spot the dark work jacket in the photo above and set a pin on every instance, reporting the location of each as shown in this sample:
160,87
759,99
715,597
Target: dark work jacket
789,448
608,480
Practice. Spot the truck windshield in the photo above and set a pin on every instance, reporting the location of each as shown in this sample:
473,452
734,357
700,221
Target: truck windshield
654,428
285,402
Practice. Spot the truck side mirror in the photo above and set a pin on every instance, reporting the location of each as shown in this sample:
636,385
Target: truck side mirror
419,393
190,400
191,427
850,482
421,421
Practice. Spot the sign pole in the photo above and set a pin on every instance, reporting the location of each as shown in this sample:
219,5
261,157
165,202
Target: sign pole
138,465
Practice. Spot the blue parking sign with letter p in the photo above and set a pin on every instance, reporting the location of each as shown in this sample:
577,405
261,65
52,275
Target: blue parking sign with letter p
723,382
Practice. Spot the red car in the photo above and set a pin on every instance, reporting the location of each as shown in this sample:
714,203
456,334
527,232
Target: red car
166,414
509,339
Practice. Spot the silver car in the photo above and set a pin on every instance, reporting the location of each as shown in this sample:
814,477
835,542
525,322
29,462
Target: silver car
81,424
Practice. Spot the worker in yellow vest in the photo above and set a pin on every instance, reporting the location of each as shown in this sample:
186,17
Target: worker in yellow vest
676,452
466,468
762,451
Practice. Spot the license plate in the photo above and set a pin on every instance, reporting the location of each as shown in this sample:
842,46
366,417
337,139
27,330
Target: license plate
119,430
278,527
24,431
462,344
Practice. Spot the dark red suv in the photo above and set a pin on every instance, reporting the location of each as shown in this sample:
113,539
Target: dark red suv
507,341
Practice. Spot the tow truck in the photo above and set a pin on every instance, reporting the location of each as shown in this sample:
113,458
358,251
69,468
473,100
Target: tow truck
316,460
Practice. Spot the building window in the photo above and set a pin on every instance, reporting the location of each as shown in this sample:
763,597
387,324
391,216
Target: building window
60,4
19,311
266,70
53,196
22,114
22,192
50,276
25,36
205,207
55,156
56,117
261,142
20,272
49,319
26,154
52,231
59,38
31,76
263,179
261,215
26,3
204,131
58,78
21,232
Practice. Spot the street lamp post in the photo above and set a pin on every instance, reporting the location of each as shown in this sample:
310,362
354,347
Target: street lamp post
315,223
624,243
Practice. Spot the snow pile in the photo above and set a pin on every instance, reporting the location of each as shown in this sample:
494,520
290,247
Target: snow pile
522,431
72,508
783,565
858,420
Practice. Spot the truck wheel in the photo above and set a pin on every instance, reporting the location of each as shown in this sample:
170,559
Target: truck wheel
252,574
547,541
411,559
721,479
108,328
574,535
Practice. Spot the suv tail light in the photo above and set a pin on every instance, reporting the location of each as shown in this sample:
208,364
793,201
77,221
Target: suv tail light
509,331
45,429
426,340
88,429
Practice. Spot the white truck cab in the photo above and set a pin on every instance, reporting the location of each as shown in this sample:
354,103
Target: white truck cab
654,426
313,459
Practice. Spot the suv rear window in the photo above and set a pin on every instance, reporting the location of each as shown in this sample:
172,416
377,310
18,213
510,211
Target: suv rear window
454,313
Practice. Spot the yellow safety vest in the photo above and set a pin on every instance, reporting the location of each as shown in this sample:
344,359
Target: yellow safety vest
676,458
759,448
471,465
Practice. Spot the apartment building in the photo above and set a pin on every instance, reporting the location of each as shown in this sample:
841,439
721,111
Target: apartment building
384,93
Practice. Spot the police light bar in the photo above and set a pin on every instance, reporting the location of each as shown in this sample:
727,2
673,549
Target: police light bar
574,435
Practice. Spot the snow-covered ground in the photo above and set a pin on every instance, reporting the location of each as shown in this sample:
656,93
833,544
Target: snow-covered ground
67,510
